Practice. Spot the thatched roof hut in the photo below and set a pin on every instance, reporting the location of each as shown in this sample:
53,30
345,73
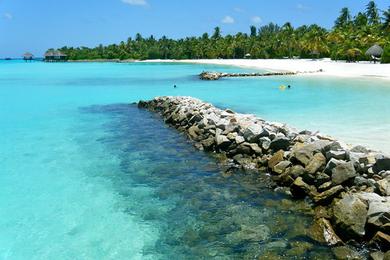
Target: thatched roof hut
28,56
375,51
55,55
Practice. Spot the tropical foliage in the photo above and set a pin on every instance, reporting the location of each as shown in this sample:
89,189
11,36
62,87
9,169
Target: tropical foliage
349,39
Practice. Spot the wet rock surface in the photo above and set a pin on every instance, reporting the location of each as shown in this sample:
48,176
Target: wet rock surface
351,183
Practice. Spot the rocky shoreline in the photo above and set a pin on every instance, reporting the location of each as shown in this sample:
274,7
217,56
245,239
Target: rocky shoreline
209,75
349,187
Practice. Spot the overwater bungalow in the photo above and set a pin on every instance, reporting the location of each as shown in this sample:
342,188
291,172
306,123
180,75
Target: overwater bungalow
55,56
28,56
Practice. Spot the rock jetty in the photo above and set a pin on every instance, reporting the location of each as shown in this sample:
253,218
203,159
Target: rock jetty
209,75
349,186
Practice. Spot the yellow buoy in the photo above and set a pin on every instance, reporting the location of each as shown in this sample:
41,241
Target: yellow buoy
282,87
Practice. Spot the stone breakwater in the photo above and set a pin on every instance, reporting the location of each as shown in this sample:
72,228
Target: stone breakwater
208,75
349,186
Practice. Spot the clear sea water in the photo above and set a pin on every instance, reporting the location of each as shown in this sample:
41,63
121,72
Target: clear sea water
86,175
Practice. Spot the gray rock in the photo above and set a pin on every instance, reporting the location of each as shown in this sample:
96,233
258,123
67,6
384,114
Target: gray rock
300,189
275,159
280,143
316,163
193,131
378,207
349,215
296,170
325,186
255,148
328,195
343,172
281,167
265,142
339,155
322,232
381,240
360,181
208,143
331,165
359,149
222,141
254,132
301,153
382,164
321,178
346,253
239,139
378,255
384,186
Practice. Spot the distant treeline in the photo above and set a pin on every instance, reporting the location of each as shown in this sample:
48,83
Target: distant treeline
349,39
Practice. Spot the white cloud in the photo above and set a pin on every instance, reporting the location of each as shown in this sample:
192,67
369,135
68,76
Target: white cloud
302,7
135,2
256,20
8,16
228,19
238,10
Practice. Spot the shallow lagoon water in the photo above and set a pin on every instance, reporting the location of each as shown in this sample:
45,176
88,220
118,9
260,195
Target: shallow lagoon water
85,176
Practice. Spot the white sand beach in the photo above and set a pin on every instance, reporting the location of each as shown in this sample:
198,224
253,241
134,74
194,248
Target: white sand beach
329,67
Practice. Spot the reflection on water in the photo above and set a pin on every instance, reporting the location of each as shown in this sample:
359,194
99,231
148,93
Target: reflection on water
199,212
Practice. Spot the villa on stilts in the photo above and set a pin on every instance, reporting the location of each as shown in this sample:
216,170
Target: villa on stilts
28,56
55,56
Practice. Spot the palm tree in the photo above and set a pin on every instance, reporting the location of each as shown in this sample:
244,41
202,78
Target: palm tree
386,19
217,33
372,13
344,19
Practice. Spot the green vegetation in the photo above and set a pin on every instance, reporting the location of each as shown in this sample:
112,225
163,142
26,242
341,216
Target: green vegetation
347,40
386,54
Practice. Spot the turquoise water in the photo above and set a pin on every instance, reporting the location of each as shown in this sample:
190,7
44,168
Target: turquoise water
84,175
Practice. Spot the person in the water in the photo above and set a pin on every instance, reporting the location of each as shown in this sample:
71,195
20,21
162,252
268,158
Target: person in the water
288,86
174,86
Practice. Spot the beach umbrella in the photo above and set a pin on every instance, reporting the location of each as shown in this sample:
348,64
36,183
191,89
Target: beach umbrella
375,51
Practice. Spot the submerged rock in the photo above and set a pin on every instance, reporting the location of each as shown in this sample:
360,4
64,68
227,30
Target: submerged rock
346,253
322,232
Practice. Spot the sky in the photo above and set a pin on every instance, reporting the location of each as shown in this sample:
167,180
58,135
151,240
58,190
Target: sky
36,25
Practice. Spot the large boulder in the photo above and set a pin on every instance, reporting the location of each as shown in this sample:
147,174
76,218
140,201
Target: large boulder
381,240
253,132
339,155
379,214
275,159
280,143
343,172
300,189
281,167
349,216
384,186
382,164
322,232
222,141
328,195
302,154
265,142
316,163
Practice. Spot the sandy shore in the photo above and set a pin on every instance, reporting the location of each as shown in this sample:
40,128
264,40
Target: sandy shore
330,68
